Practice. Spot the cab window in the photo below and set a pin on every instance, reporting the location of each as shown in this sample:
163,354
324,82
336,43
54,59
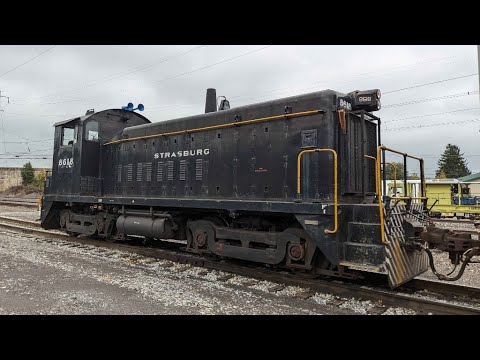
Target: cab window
91,131
68,136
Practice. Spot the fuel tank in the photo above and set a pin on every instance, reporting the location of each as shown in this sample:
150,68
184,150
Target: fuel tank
158,228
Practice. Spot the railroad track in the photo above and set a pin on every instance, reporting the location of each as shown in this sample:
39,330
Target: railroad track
475,223
18,202
404,297
456,221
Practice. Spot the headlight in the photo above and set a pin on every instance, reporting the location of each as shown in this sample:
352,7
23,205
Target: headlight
368,100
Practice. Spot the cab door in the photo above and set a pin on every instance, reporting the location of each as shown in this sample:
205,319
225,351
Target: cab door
65,156
90,182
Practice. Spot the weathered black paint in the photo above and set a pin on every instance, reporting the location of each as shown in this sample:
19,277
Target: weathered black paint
245,169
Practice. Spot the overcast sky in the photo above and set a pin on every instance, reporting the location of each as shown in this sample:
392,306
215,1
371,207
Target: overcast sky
48,84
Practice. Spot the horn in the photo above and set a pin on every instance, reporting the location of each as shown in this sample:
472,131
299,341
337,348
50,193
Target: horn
140,107
129,107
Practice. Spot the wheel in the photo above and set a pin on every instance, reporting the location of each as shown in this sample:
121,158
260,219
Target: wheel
199,233
301,253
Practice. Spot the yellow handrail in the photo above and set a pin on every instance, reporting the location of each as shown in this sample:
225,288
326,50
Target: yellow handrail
401,153
377,178
380,200
219,126
335,182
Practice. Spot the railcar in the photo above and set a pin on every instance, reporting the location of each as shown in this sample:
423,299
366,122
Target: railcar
443,199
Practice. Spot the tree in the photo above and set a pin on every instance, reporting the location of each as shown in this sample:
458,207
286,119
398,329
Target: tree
452,163
28,175
441,175
413,176
389,170
39,181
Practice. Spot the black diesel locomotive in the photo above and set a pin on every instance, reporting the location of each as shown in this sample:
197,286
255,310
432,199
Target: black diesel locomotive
294,183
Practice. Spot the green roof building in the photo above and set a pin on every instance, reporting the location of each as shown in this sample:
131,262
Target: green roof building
468,178
474,188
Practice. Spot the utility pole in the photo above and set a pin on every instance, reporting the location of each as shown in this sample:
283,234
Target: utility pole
478,63
3,132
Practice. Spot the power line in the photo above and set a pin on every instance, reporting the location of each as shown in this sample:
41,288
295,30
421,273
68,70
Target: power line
410,65
448,156
26,62
387,106
28,140
188,105
41,115
119,75
211,65
350,78
391,91
427,115
27,158
345,81
431,99
175,106
165,79
431,125
431,83
24,142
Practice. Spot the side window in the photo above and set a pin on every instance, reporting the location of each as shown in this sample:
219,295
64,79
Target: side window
91,131
68,136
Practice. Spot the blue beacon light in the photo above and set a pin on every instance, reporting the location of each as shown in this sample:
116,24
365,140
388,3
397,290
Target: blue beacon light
129,107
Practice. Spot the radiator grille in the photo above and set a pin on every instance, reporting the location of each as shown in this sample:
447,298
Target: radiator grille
139,171
199,169
160,171
183,170
129,172
119,173
169,170
148,171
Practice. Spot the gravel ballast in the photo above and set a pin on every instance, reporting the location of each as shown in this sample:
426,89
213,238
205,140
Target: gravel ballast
38,277
56,277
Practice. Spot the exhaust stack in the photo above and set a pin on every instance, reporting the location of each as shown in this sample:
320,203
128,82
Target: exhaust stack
211,101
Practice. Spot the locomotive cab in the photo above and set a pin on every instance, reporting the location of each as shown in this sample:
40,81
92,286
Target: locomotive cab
76,139
77,164
77,149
